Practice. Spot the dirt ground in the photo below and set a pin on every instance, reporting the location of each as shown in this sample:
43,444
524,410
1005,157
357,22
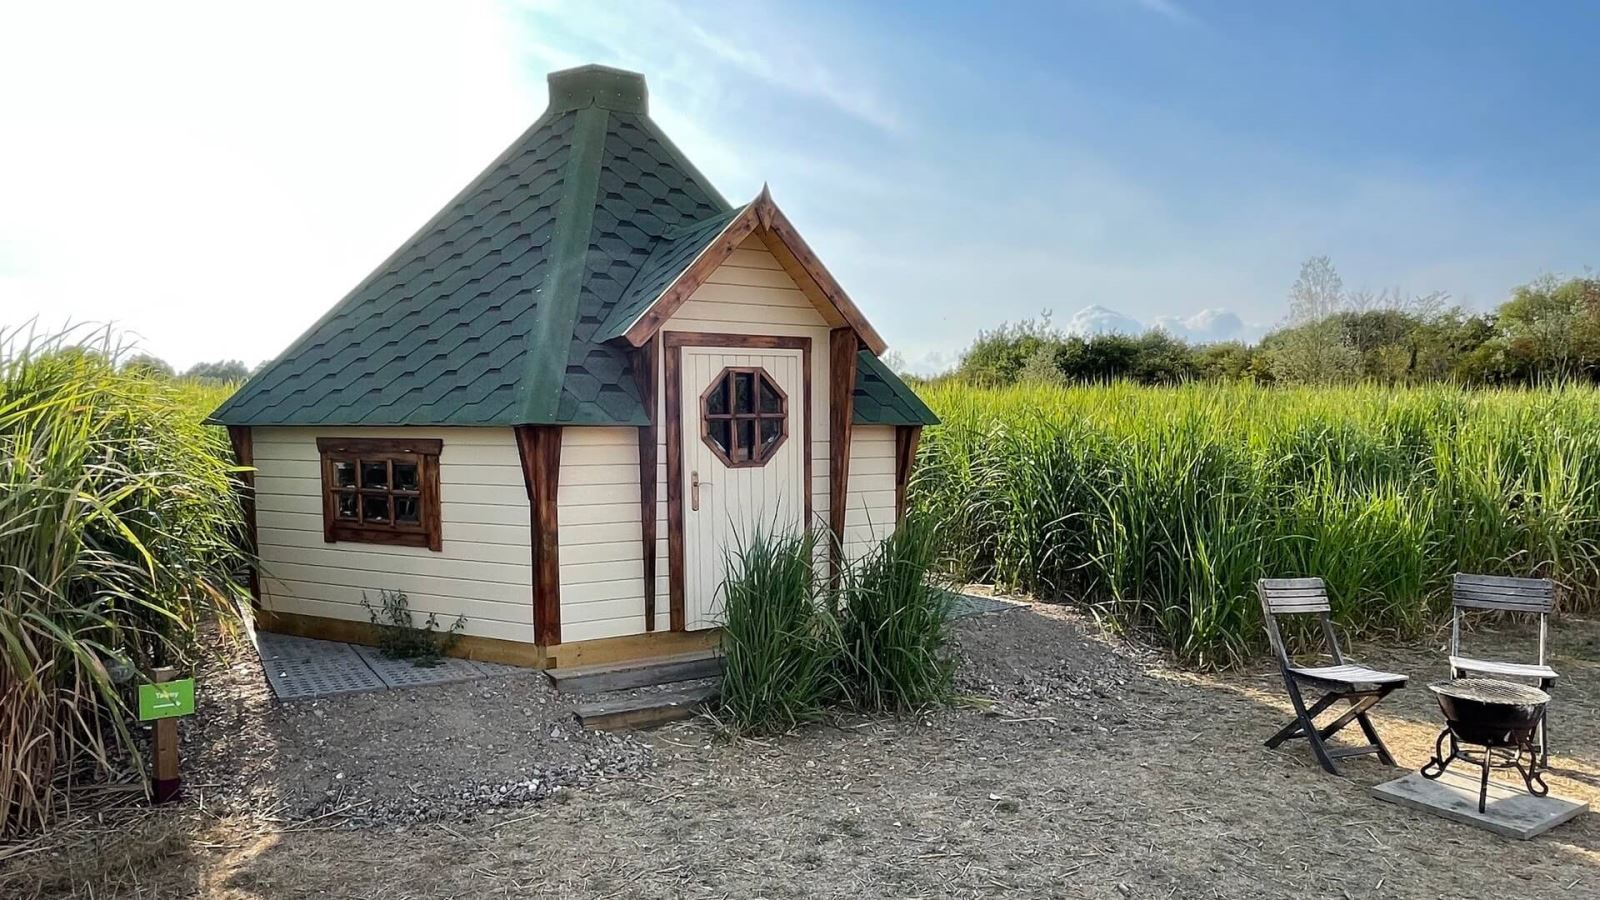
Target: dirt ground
1077,767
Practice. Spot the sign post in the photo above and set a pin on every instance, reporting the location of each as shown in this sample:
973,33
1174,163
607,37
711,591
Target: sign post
162,702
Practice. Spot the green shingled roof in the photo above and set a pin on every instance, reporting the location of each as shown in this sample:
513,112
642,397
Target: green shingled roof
500,309
881,398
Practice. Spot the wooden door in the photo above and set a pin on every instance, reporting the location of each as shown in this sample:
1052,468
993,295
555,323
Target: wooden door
742,426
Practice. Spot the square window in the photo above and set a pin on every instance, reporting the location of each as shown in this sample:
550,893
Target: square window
381,490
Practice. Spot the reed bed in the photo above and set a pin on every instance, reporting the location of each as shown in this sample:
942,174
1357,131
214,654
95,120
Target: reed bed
119,534
1158,508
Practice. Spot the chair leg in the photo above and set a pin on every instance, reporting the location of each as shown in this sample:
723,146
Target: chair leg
1544,726
1294,727
1372,738
1310,727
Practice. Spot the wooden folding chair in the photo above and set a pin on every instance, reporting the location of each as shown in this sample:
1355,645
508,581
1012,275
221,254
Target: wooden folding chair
1493,593
1364,688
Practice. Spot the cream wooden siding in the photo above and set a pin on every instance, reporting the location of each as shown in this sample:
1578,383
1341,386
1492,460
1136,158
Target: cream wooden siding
598,498
483,572
869,513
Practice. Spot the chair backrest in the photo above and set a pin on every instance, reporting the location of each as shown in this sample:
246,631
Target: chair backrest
1296,596
1498,593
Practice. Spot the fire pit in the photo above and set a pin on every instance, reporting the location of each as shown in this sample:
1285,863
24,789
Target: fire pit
1502,718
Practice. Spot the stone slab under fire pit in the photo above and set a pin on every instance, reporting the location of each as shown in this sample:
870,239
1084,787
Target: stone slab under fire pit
1511,812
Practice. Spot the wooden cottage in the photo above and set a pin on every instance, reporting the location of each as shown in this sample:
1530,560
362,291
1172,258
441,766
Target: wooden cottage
553,408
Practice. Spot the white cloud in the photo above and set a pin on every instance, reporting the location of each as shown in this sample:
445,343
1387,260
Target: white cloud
1093,321
1209,326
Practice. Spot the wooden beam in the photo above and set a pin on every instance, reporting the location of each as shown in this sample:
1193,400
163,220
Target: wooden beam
906,438
646,370
245,455
671,389
764,219
539,446
842,346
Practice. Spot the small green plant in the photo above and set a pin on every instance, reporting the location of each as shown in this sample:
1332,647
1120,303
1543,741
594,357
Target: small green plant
779,639
400,638
895,625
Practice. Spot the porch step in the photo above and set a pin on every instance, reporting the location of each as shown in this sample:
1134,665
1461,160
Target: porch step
645,710
598,679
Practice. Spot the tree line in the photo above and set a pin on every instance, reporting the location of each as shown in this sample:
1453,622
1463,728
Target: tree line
1548,330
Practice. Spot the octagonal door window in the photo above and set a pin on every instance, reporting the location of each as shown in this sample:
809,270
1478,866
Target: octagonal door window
744,416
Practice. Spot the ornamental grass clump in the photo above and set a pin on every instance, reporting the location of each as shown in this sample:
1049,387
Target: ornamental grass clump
1158,508
895,625
779,640
120,532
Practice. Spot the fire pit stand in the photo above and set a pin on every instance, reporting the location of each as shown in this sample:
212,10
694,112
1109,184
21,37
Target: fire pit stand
1499,717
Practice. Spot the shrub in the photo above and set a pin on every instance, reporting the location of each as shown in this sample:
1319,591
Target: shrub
895,625
779,640
399,637
119,522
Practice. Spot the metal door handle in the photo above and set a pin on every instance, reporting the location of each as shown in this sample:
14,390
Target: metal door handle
694,491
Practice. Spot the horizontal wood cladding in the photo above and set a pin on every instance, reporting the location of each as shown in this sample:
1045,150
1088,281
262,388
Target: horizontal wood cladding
483,569
870,512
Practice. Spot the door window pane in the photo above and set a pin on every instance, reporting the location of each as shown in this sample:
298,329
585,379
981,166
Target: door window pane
717,431
743,392
771,430
770,401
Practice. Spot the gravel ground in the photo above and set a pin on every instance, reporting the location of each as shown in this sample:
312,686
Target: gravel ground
389,757
1077,766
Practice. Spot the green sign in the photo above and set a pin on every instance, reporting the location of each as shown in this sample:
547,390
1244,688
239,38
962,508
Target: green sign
167,699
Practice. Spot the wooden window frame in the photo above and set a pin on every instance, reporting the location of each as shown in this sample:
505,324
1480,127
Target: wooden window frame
423,453
733,417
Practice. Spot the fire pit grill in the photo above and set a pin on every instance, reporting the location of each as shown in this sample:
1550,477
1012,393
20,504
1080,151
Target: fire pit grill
1502,718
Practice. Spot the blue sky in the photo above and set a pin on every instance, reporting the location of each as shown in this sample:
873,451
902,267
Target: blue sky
955,165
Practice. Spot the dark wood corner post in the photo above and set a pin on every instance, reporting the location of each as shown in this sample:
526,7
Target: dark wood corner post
540,449
646,368
842,347
906,438
244,452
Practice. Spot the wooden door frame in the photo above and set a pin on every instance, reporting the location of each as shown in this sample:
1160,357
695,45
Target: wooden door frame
672,394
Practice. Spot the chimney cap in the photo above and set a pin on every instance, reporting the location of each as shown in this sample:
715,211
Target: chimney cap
615,89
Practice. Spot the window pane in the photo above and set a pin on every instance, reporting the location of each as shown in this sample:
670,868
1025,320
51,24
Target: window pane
743,393
374,473
405,477
771,430
345,503
407,509
770,401
374,508
718,433
747,440
717,400
344,474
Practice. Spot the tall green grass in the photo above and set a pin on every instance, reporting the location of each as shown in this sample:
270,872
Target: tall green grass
795,644
119,529
1160,507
